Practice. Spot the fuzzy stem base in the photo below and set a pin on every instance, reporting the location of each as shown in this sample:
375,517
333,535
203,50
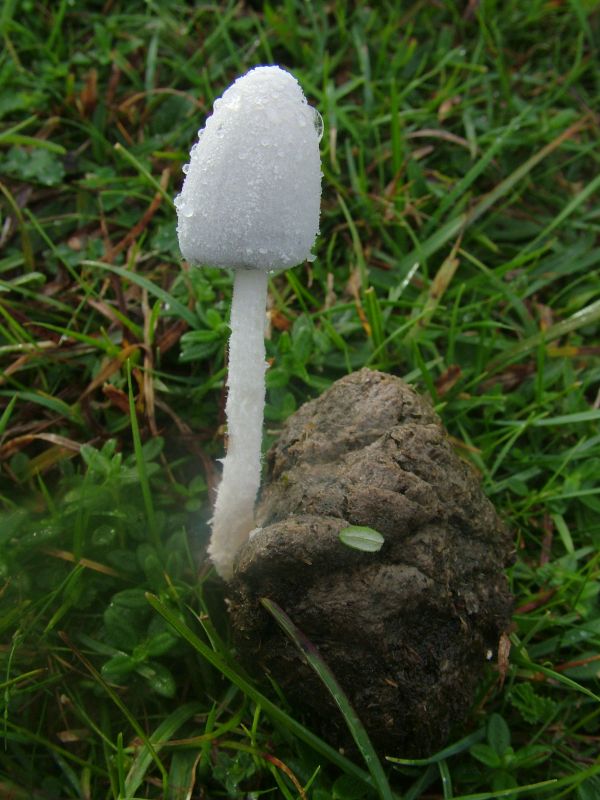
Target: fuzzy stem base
234,506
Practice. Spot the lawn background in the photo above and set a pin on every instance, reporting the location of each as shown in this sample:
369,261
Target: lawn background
459,249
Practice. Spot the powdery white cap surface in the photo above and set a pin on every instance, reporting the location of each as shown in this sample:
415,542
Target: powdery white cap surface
252,192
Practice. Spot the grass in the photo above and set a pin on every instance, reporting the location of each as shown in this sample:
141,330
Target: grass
458,248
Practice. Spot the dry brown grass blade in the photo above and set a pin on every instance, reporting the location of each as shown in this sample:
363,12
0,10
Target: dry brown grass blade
437,288
46,460
19,442
580,662
135,98
448,379
114,365
277,762
105,309
88,563
22,361
116,397
171,336
435,133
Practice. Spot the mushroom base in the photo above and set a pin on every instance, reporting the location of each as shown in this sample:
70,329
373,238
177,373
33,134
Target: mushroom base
407,630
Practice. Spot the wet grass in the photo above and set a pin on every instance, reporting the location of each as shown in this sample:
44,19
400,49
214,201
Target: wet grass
458,248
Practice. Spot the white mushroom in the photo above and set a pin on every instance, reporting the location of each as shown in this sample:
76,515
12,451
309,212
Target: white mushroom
250,201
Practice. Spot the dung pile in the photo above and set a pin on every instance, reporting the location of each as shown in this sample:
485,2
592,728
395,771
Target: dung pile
406,630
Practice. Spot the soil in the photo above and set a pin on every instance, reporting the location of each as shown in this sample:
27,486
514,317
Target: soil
408,630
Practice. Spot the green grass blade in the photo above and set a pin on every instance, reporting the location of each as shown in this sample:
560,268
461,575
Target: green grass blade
32,141
565,419
586,316
276,714
46,401
560,678
467,218
150,179
5,418
182,775
163,732
120,705
441,755
376,324
151,287
476,170
572,206
18,127
516,792
141,466
26,245
355,726
356,243
23,734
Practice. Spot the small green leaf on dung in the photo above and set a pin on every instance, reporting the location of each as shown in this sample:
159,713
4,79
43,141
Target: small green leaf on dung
359,537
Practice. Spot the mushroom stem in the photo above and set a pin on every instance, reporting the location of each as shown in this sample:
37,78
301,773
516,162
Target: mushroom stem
233,517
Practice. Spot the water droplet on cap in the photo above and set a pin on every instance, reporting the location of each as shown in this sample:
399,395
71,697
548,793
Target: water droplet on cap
318,123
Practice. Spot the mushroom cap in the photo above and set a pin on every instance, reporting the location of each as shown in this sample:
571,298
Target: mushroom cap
252,192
